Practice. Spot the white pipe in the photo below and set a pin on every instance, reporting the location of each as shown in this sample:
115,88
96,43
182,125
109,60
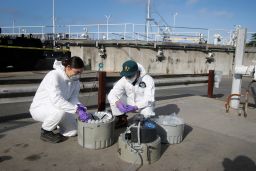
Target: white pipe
174,19
53,22
148,19
237,78
138,133
244,70
108,17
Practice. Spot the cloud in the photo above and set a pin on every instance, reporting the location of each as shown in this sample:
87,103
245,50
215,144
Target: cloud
191,2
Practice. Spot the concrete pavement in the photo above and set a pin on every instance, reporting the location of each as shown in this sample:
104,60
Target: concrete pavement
213,140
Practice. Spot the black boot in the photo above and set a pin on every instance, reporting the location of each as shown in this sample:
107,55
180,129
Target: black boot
49,136
121,121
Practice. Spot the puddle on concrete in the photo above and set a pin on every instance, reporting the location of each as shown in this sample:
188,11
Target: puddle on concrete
7,150
25,145
17,145
3,158
35,157
2,135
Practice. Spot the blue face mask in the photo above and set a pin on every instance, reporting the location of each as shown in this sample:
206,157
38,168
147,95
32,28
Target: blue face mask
75,77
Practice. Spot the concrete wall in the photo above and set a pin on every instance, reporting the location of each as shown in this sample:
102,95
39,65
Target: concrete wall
250,56
177,61
86,53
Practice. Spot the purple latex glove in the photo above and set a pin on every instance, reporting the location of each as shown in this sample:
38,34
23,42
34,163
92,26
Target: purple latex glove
82,113
130,108
121,106
81,107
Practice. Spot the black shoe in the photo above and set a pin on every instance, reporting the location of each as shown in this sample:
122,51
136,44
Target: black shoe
121,121
49,136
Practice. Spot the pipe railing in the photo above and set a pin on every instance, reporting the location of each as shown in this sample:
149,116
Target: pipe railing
125,31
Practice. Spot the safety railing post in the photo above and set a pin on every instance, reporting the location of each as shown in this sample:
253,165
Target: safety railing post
102,91
210,83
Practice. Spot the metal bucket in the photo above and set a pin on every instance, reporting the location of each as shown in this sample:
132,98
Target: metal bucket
96,135
170,132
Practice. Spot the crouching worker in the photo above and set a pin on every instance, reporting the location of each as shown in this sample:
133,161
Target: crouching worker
135,91
56,100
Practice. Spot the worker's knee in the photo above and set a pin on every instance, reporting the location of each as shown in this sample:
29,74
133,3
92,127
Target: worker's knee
115,110
148,112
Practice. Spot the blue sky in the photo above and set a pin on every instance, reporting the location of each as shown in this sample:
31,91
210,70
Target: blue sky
191,13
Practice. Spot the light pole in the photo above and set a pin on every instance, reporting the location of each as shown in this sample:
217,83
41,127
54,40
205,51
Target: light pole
53,23
174,19
13,26
108,17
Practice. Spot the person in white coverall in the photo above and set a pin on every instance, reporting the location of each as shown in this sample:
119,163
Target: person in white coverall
135,91
56,100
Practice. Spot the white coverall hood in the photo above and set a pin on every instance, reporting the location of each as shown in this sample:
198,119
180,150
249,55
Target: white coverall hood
58,65
142,70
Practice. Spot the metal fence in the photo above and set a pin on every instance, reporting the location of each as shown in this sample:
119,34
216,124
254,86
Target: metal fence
127,31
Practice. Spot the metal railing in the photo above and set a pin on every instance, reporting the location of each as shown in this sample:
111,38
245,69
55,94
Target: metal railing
124,31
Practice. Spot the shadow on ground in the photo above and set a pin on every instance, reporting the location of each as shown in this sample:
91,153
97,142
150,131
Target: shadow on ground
2,135
167,109
173,96
240,163
117,133
187,130
15,117
14,125
216,96
3,158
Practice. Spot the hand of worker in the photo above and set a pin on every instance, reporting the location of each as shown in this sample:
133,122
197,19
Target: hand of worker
82,113
81,107
130,108
121,106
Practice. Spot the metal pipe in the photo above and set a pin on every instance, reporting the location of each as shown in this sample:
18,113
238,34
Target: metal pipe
237,78
53,22
148,19
69,32
108,17
102,91
208,36
133,32
138,133
174,20
210,83
98,32
227,104
124,30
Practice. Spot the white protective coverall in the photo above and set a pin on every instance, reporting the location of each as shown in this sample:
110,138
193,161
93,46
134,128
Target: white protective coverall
55,101
142,94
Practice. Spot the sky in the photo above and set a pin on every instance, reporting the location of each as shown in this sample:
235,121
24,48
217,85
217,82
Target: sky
216,14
